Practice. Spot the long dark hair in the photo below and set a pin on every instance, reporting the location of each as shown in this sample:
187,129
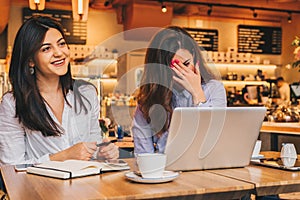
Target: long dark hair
30,107
157,83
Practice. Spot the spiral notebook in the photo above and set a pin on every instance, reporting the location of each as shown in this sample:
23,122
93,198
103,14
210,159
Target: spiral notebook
210,138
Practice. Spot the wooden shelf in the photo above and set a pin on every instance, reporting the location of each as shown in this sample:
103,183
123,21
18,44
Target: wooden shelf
292,128
243,83
238,66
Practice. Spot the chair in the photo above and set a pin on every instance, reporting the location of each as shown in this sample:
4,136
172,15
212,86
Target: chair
3,195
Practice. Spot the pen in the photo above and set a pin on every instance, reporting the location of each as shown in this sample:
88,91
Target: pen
105,143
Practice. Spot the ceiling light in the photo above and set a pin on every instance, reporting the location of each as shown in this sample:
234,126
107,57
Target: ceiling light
164,9
107,2
80,7
37,4
80,10
254,13
209,11
163,6
197,2
289,17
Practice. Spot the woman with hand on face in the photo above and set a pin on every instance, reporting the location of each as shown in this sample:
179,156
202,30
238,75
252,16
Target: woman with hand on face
175,75
48,115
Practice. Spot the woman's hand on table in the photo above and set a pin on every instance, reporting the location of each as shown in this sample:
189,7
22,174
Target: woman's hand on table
111,151
79,151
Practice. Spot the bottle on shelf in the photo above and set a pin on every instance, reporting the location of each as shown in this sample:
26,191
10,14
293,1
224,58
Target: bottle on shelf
8,58
2,76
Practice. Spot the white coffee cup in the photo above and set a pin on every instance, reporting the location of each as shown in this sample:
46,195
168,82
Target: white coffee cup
288,154
151,165
256,149
264,100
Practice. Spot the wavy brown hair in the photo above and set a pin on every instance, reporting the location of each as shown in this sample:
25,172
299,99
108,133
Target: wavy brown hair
157,83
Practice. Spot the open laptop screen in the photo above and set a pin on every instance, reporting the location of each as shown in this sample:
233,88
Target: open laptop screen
210,138
296,90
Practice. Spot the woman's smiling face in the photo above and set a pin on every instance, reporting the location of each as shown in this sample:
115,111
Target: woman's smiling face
53,57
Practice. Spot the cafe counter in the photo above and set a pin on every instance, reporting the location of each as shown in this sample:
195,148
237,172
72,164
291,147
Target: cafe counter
273,134
281,127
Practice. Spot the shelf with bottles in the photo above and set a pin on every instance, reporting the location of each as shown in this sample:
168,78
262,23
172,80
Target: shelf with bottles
248,72
119,108
117,99
241,84
96,68
239,75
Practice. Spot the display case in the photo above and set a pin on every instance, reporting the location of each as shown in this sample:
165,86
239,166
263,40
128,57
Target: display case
238,75
129,68
235,76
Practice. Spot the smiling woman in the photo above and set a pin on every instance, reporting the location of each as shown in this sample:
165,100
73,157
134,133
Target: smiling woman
48,115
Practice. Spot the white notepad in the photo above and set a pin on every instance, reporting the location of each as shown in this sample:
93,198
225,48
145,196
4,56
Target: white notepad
73,168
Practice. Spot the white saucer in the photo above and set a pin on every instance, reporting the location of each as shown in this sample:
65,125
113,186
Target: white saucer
167,176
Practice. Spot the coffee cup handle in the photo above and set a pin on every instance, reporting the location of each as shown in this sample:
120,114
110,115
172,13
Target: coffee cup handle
246,97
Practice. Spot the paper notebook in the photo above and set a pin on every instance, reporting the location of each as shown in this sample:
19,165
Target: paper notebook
73,168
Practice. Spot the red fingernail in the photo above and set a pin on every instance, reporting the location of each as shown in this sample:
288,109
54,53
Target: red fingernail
176,61
172,63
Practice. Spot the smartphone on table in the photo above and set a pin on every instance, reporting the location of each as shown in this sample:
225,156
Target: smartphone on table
22,167
116,162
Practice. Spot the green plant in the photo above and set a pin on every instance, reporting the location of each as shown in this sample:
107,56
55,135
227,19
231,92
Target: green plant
103,126
296,41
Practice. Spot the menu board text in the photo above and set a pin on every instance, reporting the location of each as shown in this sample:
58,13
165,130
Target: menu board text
259,39
75,31
206,38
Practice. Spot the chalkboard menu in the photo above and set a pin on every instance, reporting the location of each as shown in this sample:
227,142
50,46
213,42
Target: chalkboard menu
259,39
75,31
206,38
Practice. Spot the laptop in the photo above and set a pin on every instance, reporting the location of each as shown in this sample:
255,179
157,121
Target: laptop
212,138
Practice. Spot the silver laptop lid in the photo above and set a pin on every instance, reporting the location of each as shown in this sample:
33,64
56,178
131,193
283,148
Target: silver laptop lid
209,138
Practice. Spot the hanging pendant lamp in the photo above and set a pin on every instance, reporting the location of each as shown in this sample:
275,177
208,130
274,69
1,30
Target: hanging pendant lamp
37,4
80,10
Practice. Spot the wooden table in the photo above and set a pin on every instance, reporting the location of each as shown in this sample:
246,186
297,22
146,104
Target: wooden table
268,181
126,142
126,146
113,185
209,184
